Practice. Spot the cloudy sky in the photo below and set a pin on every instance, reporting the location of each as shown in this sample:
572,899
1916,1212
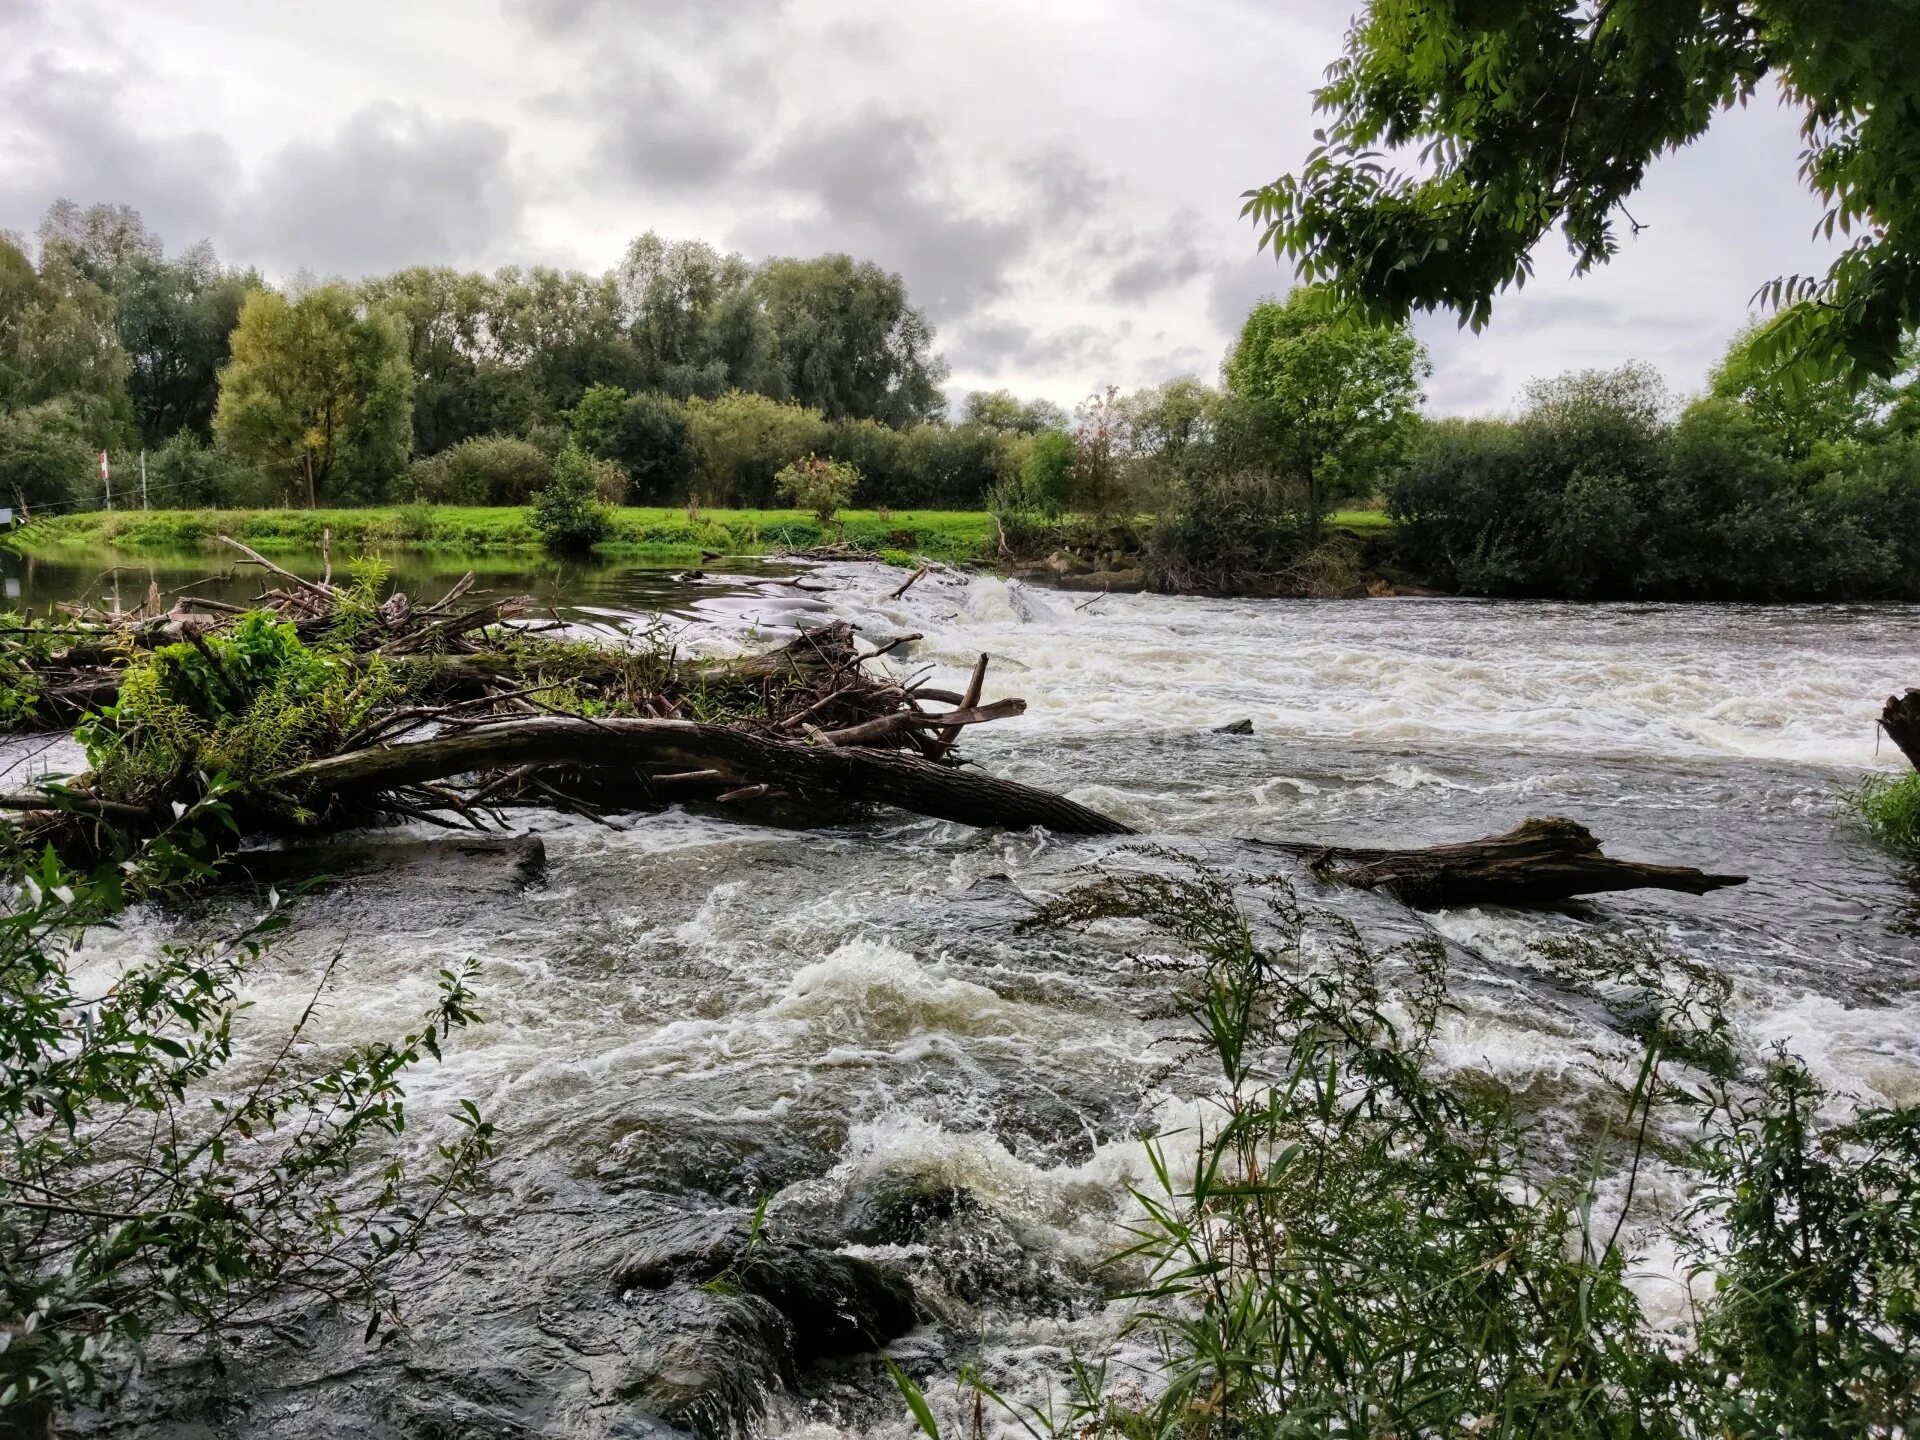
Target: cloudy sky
1058,180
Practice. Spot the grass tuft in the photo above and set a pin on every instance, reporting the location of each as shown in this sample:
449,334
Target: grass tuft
1891,807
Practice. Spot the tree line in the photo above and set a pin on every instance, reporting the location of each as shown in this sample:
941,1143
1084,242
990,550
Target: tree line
326,392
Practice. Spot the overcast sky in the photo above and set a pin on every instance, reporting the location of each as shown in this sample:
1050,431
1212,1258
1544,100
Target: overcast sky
1058,181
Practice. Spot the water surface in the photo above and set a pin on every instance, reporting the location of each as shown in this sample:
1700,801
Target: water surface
695,1012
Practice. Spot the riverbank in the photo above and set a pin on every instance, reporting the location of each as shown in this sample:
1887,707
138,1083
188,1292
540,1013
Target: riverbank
957,536
951,535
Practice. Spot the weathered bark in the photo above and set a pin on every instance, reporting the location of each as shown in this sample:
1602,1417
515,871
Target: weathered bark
1900,718
682,746
1540,862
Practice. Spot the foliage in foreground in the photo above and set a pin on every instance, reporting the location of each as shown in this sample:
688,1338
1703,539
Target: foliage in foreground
154,1179
1458,135
1363,1245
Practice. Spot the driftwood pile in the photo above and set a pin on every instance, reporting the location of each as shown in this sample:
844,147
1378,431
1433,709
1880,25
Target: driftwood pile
491,715
496,716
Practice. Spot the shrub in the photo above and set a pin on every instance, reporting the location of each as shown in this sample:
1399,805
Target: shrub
569,514
46,456
1891,808
1046,475
485,470
142,1185
1354,1240
743,441
821,486
186,472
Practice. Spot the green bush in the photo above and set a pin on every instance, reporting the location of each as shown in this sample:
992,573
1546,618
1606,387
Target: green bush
569,514
1356,1240
143,1186
1592,493
824,487
1891,807
486,470
1047,473
47,456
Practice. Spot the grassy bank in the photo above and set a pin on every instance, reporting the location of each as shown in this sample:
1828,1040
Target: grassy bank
942,534
955,535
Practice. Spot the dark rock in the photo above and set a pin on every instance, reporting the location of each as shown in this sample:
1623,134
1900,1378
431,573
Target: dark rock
1237,727
833,1304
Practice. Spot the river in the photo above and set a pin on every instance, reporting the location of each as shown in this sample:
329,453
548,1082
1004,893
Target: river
691,1013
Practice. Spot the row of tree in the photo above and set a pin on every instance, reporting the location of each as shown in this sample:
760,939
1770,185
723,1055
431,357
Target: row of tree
325,392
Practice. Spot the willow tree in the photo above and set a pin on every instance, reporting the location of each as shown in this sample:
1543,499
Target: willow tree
1519,116
319,393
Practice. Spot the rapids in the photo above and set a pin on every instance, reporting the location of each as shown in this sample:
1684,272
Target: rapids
692,1013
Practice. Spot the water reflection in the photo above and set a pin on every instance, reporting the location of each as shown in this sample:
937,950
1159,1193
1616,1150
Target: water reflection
602,595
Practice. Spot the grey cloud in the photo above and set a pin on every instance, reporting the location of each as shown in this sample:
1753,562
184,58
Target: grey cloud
565,17
1069,191
655,131
878,185
992,347
73,138
1158,260
1236,288
392,188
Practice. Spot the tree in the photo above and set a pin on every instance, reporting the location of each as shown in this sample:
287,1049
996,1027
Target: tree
1102,443
172,318
462,385
319,394
1800,411
57,340
848,342
1002,410
596,420
694,323
655,444
1527,114
1343,394
560,332
742,440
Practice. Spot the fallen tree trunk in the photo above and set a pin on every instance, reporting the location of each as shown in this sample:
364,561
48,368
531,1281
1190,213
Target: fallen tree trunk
1538,863
681,747
1900,718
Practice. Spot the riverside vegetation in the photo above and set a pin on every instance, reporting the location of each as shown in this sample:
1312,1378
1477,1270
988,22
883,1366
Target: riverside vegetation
657,406
1353,1241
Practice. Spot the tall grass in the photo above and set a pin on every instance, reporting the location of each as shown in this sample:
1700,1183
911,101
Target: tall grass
1891,808
1360,1244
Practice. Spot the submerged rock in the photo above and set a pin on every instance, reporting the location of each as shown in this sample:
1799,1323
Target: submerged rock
648,1322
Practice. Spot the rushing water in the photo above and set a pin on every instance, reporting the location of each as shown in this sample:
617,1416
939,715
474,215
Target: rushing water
692,1012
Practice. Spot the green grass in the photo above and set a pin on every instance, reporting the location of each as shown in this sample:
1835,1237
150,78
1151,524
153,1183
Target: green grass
1361,520
941,534
1891,807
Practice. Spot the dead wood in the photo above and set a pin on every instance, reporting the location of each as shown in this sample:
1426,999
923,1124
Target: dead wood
842,773
1540,862
1900,718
